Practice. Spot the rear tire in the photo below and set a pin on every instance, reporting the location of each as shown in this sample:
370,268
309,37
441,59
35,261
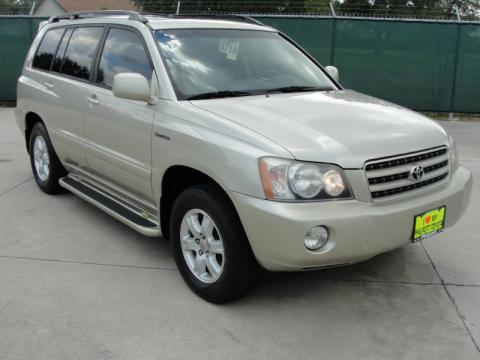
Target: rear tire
214,256
46,166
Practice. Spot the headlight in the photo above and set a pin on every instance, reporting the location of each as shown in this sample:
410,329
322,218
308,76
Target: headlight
305,180
455,162
284,179
334,184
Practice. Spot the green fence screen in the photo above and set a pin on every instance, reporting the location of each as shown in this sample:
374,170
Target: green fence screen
468,74
16,35
408,63
424,65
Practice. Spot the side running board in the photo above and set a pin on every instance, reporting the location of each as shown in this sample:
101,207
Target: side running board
139,220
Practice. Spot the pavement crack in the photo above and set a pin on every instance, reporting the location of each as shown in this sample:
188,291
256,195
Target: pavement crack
16,186
364,281
452,299
395,282
86,263
400,282
463,285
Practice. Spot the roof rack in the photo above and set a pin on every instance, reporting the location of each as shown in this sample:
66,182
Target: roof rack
231,17
136,16
132,15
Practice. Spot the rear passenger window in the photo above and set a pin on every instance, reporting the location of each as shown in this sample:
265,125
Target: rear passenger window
57,61
123,52
44,56
81,52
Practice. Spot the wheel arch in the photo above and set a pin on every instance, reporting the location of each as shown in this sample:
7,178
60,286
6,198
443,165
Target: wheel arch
31,118
176,179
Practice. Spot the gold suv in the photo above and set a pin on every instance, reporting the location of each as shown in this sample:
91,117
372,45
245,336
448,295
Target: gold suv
224,136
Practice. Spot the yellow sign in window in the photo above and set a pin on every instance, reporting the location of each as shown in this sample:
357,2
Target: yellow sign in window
429,223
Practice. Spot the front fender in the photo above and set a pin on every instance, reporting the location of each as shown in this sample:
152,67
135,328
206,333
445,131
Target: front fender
226,152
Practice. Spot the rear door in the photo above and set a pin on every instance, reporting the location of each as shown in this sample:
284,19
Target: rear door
69,72
45,93
118,131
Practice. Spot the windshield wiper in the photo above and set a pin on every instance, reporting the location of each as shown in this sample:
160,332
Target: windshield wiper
234,93
297,88
219,94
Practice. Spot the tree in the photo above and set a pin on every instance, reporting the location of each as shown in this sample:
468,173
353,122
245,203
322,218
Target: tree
469,9
15,7
417,8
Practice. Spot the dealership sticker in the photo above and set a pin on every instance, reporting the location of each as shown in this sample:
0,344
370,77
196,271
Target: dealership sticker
230,48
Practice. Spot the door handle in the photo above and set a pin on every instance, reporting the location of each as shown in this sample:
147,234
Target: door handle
92,99
48,85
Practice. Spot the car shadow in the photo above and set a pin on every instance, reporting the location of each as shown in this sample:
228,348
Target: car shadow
406,265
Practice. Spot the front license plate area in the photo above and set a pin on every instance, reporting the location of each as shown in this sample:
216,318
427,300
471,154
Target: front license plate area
429,223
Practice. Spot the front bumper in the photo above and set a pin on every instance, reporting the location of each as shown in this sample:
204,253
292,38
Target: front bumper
358,230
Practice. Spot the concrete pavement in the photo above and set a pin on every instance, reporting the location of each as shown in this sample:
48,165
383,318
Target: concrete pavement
77,284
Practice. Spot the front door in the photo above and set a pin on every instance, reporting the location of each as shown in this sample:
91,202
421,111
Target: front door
118,131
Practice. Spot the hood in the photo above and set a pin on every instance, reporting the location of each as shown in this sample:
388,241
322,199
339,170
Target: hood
342,127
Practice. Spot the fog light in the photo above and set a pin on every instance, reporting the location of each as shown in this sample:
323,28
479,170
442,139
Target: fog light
316,238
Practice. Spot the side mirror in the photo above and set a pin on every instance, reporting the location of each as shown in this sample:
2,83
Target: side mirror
131,86
333,72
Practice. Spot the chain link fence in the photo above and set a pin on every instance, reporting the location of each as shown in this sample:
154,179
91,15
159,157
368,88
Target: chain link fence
408,9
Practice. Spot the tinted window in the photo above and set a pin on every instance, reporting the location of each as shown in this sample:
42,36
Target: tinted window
57,62
123,52
81,52
47,48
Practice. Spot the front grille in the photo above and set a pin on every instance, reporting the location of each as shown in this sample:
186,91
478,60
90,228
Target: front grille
389,177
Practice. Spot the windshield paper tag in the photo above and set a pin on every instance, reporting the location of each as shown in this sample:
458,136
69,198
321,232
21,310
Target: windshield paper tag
230,48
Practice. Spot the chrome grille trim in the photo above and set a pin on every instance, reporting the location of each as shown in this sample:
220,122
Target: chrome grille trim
388,177
407,167
405,160
404,175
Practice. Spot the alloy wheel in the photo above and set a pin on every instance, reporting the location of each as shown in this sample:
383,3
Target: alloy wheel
202,246
41,158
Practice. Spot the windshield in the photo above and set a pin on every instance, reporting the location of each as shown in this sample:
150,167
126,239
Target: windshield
212,63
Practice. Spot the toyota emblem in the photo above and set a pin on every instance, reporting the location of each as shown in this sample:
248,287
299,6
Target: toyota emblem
416,173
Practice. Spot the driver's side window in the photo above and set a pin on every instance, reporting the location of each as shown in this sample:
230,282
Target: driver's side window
123,51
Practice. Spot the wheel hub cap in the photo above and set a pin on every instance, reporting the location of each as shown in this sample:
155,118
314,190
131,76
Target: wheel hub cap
202,246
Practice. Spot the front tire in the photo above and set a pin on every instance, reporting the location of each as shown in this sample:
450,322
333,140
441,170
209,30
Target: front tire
209,244
46,166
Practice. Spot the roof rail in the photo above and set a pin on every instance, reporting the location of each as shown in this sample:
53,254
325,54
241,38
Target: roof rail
132,15
231,17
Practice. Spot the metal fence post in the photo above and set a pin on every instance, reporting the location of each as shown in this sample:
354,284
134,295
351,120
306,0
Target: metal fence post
32,8
455,64
178,7
334,30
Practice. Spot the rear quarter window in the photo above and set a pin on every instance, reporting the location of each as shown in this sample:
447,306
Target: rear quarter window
81,51
46,51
